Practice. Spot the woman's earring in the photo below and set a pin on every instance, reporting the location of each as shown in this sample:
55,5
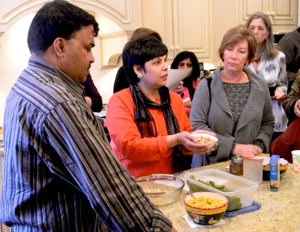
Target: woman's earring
140,76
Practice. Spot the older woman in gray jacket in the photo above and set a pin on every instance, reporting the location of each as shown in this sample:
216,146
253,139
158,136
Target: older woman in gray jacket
234,102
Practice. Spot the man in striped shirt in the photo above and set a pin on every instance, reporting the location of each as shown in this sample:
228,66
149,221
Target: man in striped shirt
59,171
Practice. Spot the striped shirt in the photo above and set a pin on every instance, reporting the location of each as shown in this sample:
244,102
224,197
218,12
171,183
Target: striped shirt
59,171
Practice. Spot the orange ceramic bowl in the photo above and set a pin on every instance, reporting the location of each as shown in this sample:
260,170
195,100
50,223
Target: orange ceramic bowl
208,210
284,164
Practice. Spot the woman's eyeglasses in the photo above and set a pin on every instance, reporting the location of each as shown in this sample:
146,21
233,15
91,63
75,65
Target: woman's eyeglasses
259,28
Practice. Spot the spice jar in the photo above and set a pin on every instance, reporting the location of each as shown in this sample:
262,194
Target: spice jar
236,165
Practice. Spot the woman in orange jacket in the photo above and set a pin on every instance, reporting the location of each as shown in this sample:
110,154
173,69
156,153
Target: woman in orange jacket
149,129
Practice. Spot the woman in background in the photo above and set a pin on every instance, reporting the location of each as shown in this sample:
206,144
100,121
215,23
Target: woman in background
270,64
149,129
289,140
91,95
121,81
185,60
236,104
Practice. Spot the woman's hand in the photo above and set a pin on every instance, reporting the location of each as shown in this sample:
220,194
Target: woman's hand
279,95
88,100
173,230
179,88
246,150
187,140
297,108
188,104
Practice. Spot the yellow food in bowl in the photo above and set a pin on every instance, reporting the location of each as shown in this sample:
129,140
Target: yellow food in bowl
207,209
206,202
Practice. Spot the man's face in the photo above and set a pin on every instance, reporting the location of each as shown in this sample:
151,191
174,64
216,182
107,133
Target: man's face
78,54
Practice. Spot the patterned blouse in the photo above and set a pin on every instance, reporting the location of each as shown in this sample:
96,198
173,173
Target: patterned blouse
274,72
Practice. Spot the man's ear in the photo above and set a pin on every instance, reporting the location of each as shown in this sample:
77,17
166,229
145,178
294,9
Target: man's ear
59,45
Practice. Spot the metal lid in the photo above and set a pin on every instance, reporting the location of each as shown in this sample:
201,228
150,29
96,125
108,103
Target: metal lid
237,159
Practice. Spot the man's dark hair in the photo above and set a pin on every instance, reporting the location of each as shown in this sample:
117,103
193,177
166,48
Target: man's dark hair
138,52
55,19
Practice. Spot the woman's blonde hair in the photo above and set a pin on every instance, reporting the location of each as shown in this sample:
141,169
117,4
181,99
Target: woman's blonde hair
235,35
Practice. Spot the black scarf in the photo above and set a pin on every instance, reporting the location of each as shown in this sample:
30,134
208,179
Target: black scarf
145,122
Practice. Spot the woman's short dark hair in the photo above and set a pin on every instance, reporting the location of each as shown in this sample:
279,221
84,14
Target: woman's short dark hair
187,55
235,35
138,52
57,19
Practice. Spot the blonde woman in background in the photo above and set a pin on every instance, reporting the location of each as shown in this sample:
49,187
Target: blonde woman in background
237,106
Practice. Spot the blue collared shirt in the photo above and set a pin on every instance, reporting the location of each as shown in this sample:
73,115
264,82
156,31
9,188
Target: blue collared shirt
59,171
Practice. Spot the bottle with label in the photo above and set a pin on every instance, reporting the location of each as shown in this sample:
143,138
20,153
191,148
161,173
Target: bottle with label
236,165
274,173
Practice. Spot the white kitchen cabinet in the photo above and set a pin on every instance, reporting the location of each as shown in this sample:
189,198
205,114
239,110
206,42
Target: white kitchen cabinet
183,25
282,13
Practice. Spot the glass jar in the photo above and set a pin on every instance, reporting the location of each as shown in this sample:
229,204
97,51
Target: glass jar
236,165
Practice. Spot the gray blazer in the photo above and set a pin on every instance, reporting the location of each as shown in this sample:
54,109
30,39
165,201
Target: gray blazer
255,122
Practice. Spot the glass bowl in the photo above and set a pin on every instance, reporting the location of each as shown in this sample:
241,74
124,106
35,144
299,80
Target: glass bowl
161,189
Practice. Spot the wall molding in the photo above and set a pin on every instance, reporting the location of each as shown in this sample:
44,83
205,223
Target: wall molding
125,13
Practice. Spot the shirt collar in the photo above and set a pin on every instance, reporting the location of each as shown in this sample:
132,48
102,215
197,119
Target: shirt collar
38,63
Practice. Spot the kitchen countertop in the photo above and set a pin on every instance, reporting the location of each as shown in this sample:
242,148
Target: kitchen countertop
279,211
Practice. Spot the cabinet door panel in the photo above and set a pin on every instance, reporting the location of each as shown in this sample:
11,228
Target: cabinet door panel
247,8
192,23
183,25
157,15
282,13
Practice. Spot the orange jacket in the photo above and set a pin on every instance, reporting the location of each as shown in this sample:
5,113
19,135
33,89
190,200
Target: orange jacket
142,156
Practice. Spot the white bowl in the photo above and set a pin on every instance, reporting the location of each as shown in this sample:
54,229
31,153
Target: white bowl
205,139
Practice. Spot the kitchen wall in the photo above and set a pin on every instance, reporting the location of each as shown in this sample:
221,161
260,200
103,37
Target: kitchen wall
14,55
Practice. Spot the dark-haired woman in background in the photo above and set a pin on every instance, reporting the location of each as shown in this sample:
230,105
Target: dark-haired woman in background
185,60
149,129
91,95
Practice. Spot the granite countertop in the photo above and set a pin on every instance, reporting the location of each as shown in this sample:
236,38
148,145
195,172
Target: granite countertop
279,211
